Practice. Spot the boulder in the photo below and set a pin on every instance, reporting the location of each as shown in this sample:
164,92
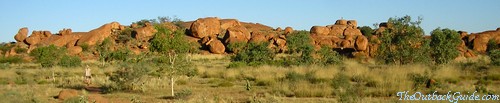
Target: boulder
341,22
216,46
37,36
361,43
226,23
258,37
74,50
480,42
278,29
60,40
97,35
204,27
352,23
288,30
352,32
169,25
67,93
320,30
65,32
145,33
337,30
236,34
21,34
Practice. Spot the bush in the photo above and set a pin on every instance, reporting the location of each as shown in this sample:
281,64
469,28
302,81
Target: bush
444,45
236,47
255,54
404,43
366,30
328,56
183,94
127,77
70,61
495,57
11,59
298,42
47,56
119,55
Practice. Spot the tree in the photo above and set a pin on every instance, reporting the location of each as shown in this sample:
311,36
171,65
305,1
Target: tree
254,54
300,43
404,42
175,47
444,45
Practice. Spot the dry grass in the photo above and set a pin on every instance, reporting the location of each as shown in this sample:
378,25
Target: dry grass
377,83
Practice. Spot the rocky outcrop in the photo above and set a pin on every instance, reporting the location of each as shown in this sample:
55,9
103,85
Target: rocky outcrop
97,35
145,33
21,34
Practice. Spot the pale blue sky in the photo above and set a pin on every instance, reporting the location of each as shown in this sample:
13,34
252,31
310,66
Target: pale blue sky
84,15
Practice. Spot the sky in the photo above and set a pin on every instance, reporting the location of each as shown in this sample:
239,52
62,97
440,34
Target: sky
84,15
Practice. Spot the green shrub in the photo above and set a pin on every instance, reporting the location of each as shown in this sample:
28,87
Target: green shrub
236,47
183,94
124,36
298,42
444,45
11,59
21,50
255,54
48,56
328,56
128,77
70,61
366,31
85,47
294,76
404,43
6,47
495,57
119,55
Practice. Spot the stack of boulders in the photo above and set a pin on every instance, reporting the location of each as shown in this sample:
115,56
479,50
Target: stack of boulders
65,38
344,34
478,42
215,34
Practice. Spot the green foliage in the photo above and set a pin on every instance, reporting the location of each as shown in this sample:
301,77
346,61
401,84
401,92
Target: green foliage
492,45
183,94
128,77
298,42
119,55
85,47
164,41
47,56
255,54
404,43
328,56
124,36
174,65
236,47
70,61
5,47
20,50
294,76
495,57
444,45
366,31
11,59
104,48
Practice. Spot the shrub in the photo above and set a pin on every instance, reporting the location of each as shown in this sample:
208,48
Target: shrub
119,55
366,30
11,59
298,42
124,36
70,61
236,47
183,94
444,45
255,54
21,50
495,57
294,76
5,47
47,56
404,43
127,77
328,56
85,47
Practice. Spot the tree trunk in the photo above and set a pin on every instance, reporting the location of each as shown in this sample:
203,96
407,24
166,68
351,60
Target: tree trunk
172,85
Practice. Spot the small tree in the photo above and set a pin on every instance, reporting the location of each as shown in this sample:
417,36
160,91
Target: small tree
403,43
175,47
300,43
444,45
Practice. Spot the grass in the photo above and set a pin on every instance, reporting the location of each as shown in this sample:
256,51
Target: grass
351,82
